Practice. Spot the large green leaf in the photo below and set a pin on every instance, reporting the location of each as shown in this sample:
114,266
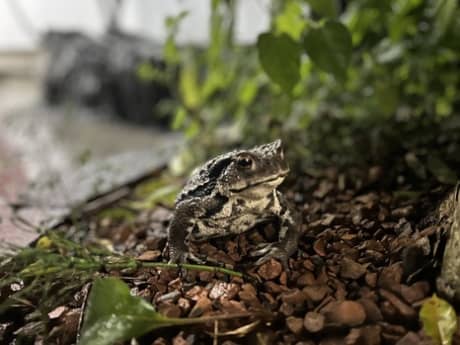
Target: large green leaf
330,47
113,315
439,320
280,59
326,8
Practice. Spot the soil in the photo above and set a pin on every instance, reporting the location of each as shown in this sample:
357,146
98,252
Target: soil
353,280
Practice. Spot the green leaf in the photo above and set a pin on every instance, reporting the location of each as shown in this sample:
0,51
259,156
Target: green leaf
326,8
189,87
291,20
179,118
247,92
441,170
445,11
330,48
113,315
280,59
439,320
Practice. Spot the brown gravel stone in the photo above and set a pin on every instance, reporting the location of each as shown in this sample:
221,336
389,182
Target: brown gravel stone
206,276
294,296
149,255
313,322
370,335
224,290
169,310
295,324
373,313
308,278
248,295
315,293
232,306
274,288
403,309
320,247
308,264
195,292
202,305
350,269
410,338
333,340
346,313
353,336
415,292
390,277
286,309
184,304
371,279
270,270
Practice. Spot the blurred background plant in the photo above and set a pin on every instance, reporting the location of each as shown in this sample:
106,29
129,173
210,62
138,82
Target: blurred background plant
353,83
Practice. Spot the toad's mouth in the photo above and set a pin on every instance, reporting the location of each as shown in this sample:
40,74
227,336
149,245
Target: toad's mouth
280,177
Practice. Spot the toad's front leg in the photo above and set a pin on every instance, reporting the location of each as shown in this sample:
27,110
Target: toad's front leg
182,224
178,231
289,233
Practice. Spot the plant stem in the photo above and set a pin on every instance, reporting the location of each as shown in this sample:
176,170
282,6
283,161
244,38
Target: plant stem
192,267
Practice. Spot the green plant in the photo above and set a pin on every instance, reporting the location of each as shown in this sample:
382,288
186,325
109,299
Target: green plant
365,84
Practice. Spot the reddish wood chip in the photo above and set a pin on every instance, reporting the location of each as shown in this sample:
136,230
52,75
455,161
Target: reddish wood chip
149,255
390,276
373,313
313,322
415,292
346,313
295,324
184,304
320,246
332,340
270,270
308,278
371,279
232,306
170,310
370,335
203,305
350,269
286,309
410,338
224,290
294,296
315,293
403,309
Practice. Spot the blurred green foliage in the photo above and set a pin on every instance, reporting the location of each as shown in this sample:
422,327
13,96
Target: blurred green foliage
356,82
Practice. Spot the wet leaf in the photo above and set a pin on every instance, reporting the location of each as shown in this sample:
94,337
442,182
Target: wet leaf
113,315
279,56
330,48
439,320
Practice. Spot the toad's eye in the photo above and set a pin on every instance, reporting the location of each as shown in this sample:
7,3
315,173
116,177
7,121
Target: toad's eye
244,162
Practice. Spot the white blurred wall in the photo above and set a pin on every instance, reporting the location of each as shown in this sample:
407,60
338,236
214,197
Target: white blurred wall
23,21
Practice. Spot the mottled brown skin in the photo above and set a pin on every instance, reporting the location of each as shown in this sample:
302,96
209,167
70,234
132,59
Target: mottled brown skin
230,194
448,282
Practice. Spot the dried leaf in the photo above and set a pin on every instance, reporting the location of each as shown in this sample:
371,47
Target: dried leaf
439,320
